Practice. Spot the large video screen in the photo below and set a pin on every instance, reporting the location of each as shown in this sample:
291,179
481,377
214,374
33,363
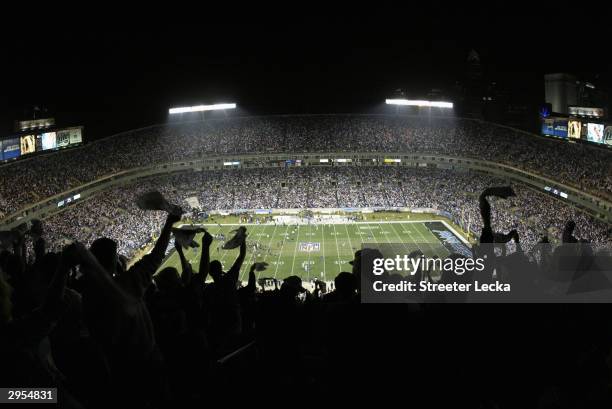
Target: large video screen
76,135
607,136
28,144
555,127
63,138
49,140
595,132
11,148
574,129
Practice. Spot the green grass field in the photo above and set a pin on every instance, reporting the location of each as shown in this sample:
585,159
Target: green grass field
285,247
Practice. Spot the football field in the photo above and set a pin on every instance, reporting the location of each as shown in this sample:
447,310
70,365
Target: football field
319,251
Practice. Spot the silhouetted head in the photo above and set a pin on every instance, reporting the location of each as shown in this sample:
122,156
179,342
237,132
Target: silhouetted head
105,251
216,269
292,286
168,279
356,262
345,283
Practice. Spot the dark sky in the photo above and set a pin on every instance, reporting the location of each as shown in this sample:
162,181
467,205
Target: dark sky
111,73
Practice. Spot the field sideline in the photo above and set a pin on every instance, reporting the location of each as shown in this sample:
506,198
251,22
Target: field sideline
315,251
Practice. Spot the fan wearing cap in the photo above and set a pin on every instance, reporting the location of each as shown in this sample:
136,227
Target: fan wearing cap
363,264
292,286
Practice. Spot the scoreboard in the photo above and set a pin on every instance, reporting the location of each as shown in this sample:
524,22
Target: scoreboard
33,143
590,130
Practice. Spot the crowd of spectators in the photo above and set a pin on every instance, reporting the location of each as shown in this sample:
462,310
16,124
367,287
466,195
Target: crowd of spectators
75,317
114,214
28,181
78,319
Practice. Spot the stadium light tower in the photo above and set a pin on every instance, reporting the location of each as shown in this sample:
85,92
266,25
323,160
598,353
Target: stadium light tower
201,108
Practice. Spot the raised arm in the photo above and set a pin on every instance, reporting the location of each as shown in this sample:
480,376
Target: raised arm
149,264
79,254
251,285
164,238
187,273
235,270
205,256
485,209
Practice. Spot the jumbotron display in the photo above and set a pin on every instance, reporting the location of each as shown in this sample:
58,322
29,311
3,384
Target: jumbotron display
23,146
577,129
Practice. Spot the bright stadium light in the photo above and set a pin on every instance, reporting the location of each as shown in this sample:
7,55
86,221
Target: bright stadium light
201,108
419,103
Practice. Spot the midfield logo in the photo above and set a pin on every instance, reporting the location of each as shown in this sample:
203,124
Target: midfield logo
309,247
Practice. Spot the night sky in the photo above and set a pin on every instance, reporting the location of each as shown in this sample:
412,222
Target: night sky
112,74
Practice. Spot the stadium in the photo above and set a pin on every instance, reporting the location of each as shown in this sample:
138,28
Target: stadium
354,167
236,250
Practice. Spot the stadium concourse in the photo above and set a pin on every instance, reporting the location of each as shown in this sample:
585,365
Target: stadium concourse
76,317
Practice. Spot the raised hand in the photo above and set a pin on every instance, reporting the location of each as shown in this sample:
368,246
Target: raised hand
174,216
207,239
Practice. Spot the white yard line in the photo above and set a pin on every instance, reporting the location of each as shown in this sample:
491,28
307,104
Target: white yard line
297,241
323,250
245,267
281,250
308,261
394,246
372,232
404,244
337,249
269,248
349,239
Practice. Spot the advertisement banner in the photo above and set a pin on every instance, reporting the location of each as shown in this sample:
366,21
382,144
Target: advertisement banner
574,129
595,132
28,144
63,138
49,140
554,127
11,148
76,135
607,136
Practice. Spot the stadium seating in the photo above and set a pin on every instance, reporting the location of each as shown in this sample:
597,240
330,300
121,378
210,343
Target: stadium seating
74,316
584,167
115,215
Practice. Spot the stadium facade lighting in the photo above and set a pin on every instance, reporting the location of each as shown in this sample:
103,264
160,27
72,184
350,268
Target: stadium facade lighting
419,103
201,108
